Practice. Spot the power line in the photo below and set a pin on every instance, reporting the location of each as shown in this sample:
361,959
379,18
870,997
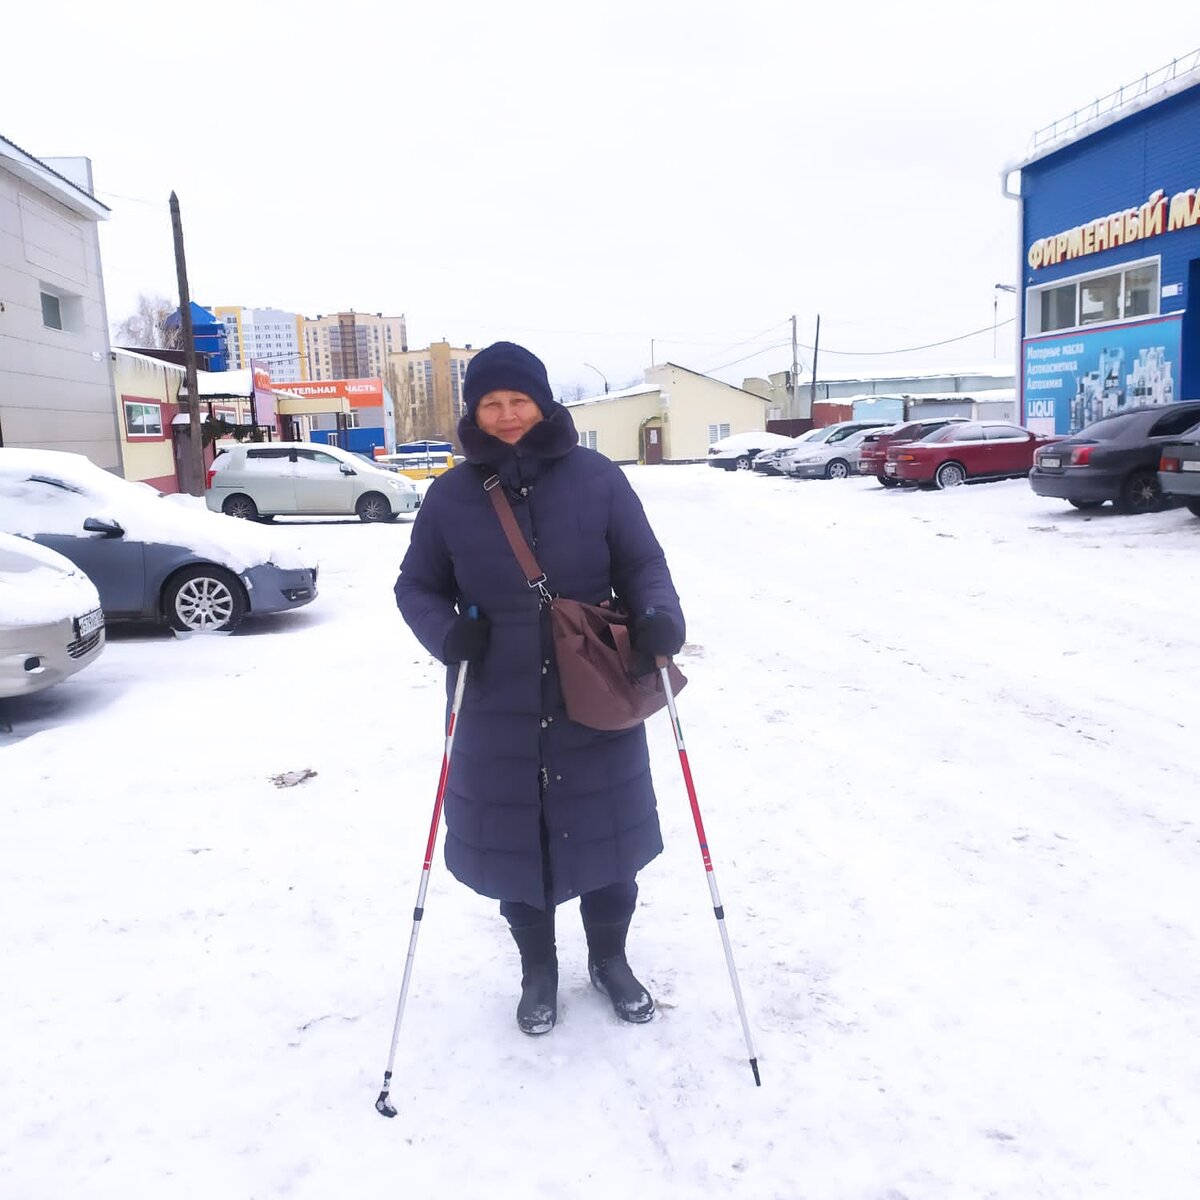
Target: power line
910,349
748,341
755,354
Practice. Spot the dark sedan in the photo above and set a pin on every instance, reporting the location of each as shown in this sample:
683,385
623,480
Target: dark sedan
1114,459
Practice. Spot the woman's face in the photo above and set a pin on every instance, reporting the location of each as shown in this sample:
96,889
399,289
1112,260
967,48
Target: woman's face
507,415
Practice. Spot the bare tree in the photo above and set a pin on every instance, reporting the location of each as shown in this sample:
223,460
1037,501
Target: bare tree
402,400
572,391
146,325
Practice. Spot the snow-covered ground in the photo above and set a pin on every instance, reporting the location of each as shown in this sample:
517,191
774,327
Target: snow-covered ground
943,746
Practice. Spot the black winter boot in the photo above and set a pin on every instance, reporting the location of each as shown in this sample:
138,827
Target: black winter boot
610,972
537,1010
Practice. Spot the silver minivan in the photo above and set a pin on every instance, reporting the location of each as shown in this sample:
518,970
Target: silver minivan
261,480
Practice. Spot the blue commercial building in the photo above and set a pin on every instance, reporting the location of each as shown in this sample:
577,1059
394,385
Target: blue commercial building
1110,254
209,335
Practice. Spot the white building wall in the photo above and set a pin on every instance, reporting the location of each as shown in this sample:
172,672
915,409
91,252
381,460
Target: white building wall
56,389
693,404
614,422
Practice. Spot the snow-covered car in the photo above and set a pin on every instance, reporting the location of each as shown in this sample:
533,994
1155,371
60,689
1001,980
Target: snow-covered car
767,462
824,460
51,623
151,557
262,480
737,452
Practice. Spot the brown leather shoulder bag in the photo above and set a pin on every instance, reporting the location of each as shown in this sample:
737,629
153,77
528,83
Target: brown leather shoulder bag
604,685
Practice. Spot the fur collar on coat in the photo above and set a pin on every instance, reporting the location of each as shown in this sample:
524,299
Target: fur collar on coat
519,465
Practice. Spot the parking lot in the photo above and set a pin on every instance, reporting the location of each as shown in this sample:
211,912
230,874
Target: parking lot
943,743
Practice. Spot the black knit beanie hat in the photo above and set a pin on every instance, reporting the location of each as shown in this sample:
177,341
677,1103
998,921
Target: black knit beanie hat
505,365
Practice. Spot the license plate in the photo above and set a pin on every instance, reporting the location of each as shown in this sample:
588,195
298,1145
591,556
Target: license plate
890,468
91,621
1049,461
1190,465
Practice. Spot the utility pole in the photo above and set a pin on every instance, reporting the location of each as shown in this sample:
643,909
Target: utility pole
652,352
816,347
192,463
794,392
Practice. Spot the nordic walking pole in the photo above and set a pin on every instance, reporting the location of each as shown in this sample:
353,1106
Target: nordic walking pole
662,664
381,1104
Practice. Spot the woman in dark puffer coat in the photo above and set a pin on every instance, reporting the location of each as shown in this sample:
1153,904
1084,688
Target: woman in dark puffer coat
539,810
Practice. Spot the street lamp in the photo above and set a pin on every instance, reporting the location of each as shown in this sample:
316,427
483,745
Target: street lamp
600,373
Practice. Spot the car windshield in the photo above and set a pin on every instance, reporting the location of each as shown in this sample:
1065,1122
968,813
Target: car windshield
58,483
828,433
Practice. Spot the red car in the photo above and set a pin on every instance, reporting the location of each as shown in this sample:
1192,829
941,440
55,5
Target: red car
872,454
966,450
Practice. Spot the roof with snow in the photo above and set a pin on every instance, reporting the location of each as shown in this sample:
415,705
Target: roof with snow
642,389
214,385
1147,90
23,164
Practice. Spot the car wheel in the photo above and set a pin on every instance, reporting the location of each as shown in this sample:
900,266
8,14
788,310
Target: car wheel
743,463
838,469
1141,493
1085,505
204,600
950,475
888,481
1193,506
240,506
373,507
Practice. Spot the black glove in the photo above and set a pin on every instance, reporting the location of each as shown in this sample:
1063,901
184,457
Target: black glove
656,634
467,640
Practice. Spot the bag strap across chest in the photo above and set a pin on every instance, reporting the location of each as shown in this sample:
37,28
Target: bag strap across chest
535,577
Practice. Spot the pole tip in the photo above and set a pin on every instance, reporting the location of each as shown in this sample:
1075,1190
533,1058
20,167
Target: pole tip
754,1068
383,1107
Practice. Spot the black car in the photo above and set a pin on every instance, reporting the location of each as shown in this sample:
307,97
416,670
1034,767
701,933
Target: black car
1115,458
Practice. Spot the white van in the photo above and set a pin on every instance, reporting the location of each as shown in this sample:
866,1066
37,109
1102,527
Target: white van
261,480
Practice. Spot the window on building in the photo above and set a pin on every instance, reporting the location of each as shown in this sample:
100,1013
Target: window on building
588,438
1057,308
142,420
1100,299
717,432
51,311
1121,295
1141,288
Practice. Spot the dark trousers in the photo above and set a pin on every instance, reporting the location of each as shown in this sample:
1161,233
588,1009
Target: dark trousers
608,905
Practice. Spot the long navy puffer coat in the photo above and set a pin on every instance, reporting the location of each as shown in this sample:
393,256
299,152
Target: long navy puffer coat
517,757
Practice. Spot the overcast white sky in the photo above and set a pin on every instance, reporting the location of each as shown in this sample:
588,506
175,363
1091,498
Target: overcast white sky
583,179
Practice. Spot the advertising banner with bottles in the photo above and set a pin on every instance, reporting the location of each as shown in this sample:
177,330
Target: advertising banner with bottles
1070,380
